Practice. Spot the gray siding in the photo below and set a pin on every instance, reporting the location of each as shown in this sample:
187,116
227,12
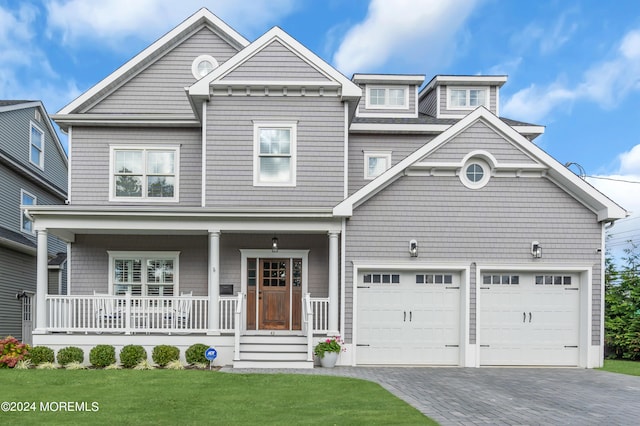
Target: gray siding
159,88
399,145
494,224
15,129
480,136
444,109
362,106
90,153
275,62
320,150
428,104
18,273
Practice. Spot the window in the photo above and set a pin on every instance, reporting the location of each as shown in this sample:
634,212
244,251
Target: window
434,279
144,273
274,154
501,279
376,163
36,146
203,65
387,98
553,280
378,278
26,199
475,173
144,174
467,98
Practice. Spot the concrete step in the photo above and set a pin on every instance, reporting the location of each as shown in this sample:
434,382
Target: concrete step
272,347
274,356
274,339
251,363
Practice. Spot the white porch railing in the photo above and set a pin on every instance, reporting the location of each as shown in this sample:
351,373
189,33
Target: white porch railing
238,316
307,318
320,310
228,313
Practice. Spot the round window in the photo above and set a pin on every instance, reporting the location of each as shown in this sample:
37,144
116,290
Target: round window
475,173
203,65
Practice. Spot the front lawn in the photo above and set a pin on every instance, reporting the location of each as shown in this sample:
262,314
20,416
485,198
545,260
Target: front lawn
631,368
195,397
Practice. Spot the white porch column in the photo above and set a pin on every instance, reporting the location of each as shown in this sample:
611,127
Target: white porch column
214,283
333,283
42,271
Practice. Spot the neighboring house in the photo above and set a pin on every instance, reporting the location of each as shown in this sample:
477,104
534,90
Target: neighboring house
248,196
33,171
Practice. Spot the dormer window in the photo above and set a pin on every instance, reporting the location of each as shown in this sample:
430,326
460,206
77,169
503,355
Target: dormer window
467,98
380,97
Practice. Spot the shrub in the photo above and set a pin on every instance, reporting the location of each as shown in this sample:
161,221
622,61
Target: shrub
46,366
144,365
41,355
12,351
174,365
164,354
73,365
131,355
195,354
102,355
70,354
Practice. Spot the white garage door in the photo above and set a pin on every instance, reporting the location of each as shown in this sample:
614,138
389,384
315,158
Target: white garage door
529,319
408,318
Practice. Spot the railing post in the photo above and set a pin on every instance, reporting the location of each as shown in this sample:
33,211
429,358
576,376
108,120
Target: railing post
309,319
127,313
238,322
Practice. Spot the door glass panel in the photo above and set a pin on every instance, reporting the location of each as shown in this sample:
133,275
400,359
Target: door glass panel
297,272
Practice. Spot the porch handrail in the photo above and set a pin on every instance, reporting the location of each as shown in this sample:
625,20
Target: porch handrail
308,319
238,324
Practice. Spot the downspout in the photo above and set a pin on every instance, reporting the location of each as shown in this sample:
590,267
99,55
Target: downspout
203,184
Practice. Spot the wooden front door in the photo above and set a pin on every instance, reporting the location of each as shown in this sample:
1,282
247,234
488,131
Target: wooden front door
273,294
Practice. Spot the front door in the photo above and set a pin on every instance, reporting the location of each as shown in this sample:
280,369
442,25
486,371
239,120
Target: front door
273,294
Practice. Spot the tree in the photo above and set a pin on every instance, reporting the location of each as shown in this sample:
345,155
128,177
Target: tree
622,306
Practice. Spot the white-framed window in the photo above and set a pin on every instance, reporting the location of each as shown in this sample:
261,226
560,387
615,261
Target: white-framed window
467,97
144,174
26,199
475,173
376,163
274,154
153,273
36,146
203,65
385,97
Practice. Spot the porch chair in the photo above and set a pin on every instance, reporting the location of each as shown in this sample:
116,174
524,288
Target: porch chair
105,310
182,311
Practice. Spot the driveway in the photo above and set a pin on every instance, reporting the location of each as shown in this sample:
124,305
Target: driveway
522,396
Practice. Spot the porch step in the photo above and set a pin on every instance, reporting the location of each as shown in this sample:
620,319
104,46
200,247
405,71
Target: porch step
283,351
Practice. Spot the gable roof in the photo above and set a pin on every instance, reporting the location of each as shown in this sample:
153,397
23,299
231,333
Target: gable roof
200,89
604,207
11,105
200,18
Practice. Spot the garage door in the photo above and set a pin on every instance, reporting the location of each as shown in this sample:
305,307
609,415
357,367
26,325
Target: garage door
529,319
408,318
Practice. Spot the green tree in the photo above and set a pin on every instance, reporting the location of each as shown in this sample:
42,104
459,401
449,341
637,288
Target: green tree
622,306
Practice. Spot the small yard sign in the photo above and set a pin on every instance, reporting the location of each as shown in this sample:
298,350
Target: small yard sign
211,354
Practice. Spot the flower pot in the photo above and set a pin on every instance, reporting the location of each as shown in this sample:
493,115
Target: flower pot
329,359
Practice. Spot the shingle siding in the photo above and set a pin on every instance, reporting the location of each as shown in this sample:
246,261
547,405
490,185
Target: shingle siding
159,89
320,150
429,105
18,273
90,152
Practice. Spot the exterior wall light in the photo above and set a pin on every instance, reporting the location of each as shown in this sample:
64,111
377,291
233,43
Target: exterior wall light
413,248
274,244
536,250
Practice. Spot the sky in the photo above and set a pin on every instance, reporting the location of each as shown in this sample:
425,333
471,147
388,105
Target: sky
572,66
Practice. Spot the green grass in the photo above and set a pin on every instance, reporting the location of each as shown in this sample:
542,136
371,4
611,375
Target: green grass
631,368
201,397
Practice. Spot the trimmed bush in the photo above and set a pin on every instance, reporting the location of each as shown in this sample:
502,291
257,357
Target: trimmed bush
12,351
195,354
41,355
70,354
131,355
164,354
102,356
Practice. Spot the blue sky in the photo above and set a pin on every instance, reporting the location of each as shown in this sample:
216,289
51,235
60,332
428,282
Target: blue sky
573,66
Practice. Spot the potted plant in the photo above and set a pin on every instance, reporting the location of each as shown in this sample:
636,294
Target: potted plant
328,350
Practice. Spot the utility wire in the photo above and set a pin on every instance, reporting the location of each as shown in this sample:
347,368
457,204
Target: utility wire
613,179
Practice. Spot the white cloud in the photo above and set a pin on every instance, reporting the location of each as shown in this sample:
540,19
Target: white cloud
111,22
606,83
394,29
547,38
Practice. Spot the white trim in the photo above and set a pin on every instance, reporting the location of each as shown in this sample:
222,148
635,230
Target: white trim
40,164
345,154
201,17
388,114
69,145
24,207
343,275
397,128
69,265
416,105
387,104
386,155
411,79
467,106
292,126
203,182
145,149
196,63
469,80
486,173
144,256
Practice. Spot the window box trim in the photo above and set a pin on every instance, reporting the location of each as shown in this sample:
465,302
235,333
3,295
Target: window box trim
35,202
386,104
378,154
467,90
144,256
39,165
144,198
293,127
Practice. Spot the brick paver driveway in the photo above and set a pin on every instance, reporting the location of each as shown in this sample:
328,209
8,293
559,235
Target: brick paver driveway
522,396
